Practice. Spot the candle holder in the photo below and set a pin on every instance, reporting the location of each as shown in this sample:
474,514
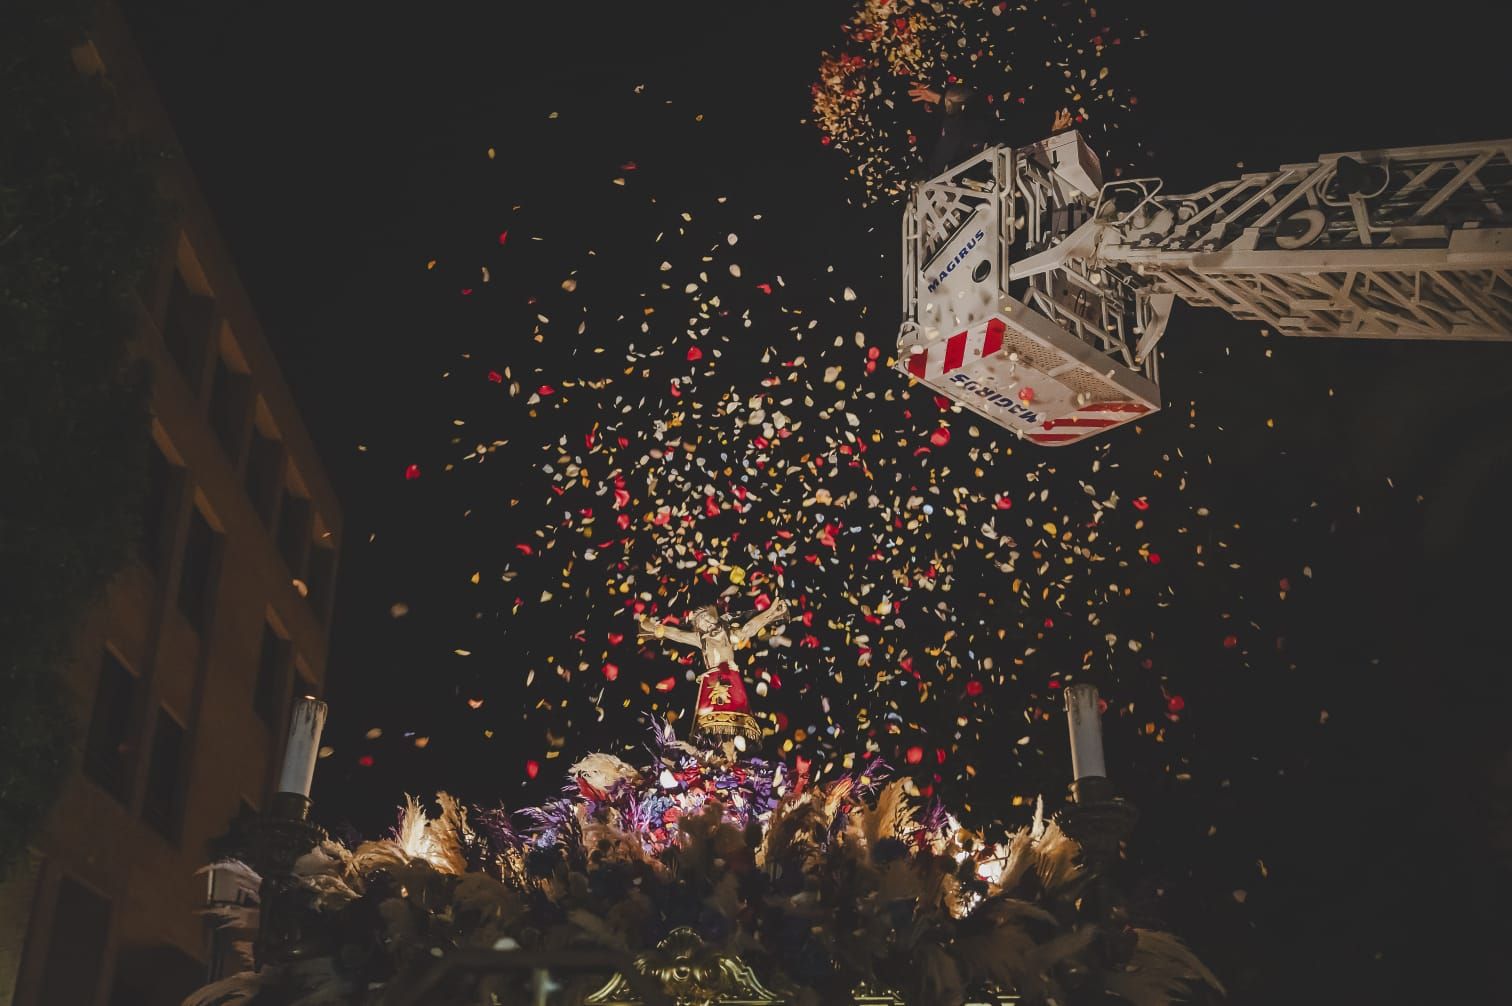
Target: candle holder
1099,821
280,837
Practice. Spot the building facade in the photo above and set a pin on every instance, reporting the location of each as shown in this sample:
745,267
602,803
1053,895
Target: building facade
184,675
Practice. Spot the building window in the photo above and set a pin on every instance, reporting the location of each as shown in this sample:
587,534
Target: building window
322,576
157,512
294,532
107,749
196,586
162,806
186,328
230,394
264,474
75,947
271,661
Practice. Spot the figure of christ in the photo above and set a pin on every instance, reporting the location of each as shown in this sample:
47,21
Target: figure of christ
723,709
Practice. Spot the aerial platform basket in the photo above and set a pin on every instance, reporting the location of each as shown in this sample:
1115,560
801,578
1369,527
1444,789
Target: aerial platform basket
1035,295
1022,372
1048,369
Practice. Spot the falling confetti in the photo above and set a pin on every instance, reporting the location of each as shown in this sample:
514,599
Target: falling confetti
1024,60
734,432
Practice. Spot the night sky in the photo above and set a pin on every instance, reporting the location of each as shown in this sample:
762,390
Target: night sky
1325,809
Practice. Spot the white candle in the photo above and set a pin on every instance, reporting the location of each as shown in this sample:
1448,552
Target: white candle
1086,732
305,724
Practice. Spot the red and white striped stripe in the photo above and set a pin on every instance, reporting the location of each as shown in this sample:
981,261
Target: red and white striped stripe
946,355
1089,419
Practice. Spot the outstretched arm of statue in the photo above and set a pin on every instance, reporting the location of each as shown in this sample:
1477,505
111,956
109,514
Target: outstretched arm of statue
749,630
650,628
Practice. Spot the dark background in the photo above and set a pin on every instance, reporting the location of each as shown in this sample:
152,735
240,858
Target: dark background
341,147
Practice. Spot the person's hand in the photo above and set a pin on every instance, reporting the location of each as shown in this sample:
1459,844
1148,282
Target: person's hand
1062,120
920,93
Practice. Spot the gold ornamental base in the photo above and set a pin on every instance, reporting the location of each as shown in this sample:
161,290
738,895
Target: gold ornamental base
726,723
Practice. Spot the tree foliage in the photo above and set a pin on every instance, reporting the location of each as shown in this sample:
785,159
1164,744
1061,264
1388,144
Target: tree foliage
79,220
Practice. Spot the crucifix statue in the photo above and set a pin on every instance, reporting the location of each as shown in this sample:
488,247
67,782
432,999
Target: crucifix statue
723,709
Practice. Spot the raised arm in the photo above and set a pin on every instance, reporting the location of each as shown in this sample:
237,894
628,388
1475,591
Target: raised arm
761,620
650,628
